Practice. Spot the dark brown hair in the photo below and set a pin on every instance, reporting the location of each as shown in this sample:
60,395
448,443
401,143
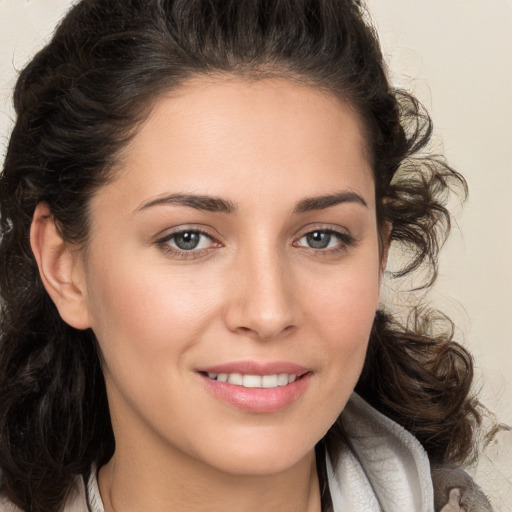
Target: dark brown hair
80,100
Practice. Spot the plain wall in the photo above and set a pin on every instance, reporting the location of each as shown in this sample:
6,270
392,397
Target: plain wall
456,55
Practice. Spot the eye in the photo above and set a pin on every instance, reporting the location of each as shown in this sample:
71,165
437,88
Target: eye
325,239
318,239
187,241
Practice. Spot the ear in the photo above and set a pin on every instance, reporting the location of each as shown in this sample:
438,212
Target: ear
60,268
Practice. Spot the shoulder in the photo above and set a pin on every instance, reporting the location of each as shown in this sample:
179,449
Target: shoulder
396,464
453,487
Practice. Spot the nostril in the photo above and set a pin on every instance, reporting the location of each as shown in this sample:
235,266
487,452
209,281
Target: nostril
264,309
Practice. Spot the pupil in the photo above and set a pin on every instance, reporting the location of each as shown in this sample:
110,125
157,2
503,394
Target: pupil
187,241
318,239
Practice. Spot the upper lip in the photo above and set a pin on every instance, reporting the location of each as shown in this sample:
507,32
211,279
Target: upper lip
256,368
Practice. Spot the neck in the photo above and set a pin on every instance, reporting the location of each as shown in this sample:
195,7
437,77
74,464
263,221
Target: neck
126,485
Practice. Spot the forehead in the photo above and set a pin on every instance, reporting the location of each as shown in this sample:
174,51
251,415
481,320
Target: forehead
221,136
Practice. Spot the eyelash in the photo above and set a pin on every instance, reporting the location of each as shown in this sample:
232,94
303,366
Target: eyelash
345,242
176,252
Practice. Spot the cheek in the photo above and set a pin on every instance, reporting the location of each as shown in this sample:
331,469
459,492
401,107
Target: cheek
144,292
342,315
344,305
147,323
139,308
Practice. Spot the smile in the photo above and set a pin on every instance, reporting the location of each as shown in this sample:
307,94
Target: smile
254,389
255,381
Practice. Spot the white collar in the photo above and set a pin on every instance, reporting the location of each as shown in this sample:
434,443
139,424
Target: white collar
385,468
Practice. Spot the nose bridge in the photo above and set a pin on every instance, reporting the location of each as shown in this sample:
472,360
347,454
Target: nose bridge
263,302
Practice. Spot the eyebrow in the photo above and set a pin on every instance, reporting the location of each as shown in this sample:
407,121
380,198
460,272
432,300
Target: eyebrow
199,202
219,205
322,202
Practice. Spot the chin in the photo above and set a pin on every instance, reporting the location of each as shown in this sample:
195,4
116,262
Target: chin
262,457
257,466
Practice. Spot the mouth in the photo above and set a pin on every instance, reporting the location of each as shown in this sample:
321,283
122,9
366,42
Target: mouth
255,388
255,381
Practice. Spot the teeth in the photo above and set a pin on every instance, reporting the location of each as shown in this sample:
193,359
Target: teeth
254,381
270,381
282,379
236,378
251,381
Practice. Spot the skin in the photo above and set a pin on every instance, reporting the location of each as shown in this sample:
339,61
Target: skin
254,290
453,504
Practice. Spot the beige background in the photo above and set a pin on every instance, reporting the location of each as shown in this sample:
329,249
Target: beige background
456,55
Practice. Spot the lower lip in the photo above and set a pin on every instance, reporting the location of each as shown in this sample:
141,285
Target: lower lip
258,400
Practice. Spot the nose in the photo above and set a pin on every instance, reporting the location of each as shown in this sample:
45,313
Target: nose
262,296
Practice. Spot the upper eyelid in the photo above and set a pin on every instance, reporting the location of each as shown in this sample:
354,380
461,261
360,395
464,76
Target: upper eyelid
323,227
208,231
179,232
170,232
344,236
340,234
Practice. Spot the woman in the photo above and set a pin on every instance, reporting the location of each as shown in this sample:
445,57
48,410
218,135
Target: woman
196,205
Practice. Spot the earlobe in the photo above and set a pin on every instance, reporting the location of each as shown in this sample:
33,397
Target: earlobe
58,268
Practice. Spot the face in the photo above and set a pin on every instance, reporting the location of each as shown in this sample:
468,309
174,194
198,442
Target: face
232,274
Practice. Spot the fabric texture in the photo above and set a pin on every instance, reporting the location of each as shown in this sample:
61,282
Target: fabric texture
383,468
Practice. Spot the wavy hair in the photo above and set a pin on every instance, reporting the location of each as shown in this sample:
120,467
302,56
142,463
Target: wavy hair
80,100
